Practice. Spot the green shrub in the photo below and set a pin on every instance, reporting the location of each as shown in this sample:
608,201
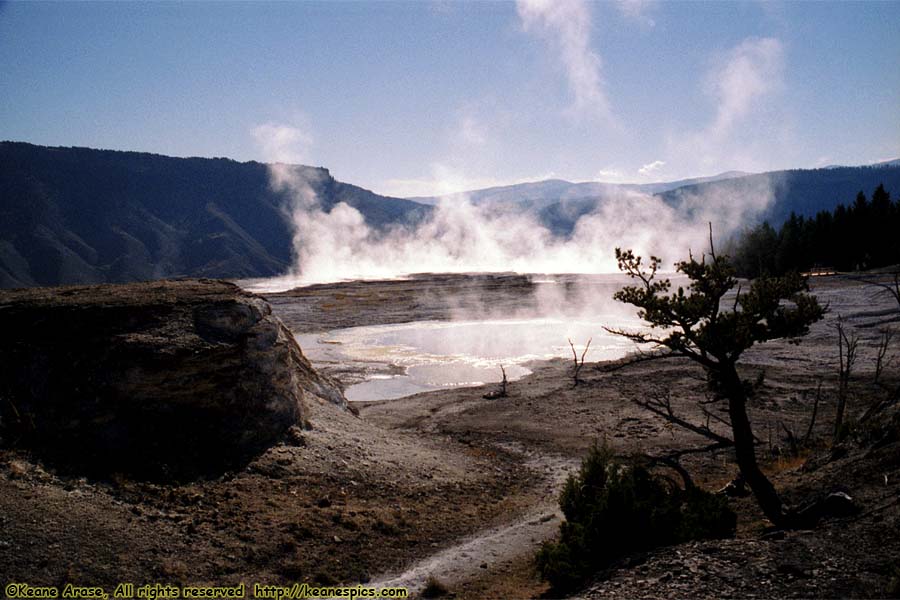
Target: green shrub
613,509
434,588
705,516
893,588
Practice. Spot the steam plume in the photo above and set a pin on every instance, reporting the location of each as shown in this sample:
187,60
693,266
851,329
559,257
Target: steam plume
566,24
337,244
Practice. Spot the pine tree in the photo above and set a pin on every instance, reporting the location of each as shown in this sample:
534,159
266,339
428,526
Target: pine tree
696,326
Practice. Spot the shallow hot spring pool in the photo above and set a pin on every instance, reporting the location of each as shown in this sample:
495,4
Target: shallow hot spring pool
403,359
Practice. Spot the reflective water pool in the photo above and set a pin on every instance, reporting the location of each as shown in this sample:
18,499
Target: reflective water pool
404,359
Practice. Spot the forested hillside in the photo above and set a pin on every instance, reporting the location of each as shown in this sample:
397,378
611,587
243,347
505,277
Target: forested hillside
864,234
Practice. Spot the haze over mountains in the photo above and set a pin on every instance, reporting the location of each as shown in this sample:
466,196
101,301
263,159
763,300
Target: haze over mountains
77,215
539,194
560,203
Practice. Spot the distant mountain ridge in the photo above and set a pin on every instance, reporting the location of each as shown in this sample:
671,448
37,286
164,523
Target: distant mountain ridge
78,215
801,191
540,194
560,204
885,163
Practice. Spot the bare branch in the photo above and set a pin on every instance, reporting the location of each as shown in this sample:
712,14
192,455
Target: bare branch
502,392
847,345
635,336
683,350
717,418
671,459
812,420
638,357
737,299
881,359
672,463
700,450
661,405
578,365
792,439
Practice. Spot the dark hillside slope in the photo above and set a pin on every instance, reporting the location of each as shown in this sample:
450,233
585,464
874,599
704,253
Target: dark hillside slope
802,191
77,215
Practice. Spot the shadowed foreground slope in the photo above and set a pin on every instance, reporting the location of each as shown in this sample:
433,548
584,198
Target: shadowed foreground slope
170,378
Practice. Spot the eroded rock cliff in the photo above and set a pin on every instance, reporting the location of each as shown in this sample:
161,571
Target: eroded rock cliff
159,379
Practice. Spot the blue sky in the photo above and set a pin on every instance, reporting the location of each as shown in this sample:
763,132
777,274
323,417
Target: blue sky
430,97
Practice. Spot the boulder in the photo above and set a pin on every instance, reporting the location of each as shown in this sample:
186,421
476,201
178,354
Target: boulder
163,379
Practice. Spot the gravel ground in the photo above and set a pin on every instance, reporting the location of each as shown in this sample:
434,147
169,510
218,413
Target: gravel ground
445,483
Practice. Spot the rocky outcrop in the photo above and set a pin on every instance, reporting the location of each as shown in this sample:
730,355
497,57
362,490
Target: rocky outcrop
159,379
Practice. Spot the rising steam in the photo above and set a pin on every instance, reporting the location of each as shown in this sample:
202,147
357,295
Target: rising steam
337,244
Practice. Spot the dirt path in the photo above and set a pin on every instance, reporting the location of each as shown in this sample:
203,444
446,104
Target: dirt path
494,550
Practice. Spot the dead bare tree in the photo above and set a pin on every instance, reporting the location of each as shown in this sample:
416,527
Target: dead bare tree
815,411
882,360
578,364
847,346
502,392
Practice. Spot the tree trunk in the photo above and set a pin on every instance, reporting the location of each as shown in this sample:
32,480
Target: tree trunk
839,415
763,490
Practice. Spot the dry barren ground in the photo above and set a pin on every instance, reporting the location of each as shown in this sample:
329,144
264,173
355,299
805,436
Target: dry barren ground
452,485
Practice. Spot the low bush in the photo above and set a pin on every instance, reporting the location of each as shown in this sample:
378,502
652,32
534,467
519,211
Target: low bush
893,588
434,588
613,509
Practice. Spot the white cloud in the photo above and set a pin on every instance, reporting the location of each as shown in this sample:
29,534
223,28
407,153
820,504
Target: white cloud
566,24
283,143
610,175
471,132
752,71
746,123
637,10
650,168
